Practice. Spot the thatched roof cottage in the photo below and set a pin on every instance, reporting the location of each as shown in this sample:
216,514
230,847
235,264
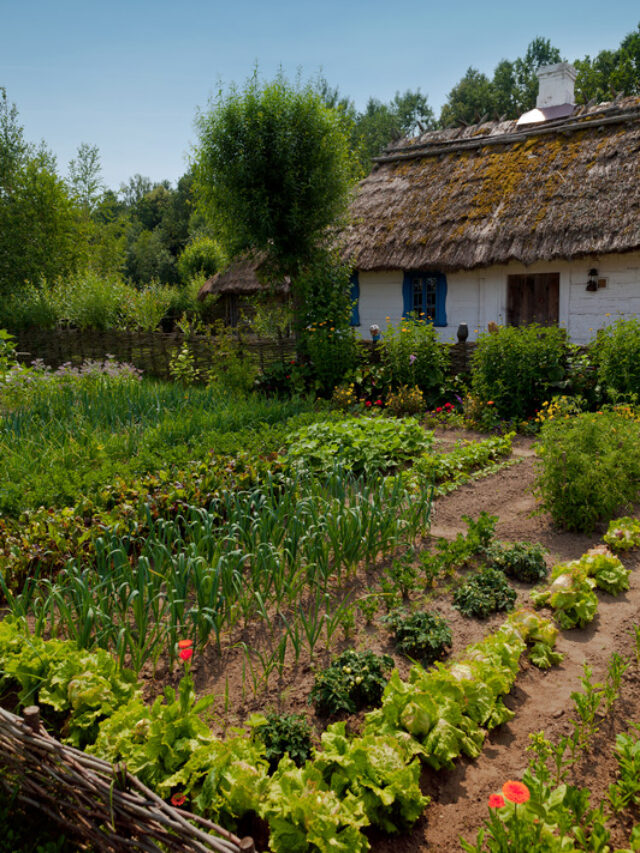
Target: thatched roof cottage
506,221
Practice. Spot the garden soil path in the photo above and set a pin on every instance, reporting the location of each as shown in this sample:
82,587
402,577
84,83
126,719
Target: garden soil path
541,700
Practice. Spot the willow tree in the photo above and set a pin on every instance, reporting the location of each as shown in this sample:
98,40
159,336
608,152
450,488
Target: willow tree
273,168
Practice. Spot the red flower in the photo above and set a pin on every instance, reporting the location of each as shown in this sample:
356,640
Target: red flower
185,654
496,801
516,792
378,402
185,644
439,409
178,800
368,403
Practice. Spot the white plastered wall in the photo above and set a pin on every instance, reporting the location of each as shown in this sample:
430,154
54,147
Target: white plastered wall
478,297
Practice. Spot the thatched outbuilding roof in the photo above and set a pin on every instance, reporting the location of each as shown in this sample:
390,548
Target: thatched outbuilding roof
491,193
243,277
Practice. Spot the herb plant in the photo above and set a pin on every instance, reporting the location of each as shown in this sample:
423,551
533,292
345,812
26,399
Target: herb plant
283,734
523,561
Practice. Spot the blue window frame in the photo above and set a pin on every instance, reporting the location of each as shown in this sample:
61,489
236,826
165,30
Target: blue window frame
426,295
355,299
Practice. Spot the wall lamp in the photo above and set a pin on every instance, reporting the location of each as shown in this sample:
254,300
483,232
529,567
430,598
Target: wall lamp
592,283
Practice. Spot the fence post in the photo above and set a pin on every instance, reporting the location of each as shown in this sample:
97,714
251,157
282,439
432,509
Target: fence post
31,717
247,845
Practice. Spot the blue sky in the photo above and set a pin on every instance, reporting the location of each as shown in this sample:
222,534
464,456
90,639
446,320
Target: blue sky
129,76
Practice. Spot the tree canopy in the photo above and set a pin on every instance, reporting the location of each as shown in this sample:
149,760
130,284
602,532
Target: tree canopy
273,167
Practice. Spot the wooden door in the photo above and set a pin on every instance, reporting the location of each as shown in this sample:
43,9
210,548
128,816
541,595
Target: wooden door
533,298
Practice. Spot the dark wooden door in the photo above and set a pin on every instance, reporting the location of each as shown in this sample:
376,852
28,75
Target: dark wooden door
533,299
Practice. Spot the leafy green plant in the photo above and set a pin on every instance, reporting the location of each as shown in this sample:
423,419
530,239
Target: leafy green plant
414,357
485,593
369,605
625,791
515,366
282,734
406,401
570,595
423,636
623,534
403,574
354,680
616,353
523,561
589,468
361,445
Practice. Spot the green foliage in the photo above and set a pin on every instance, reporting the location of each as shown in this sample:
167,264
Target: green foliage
422,636
282,734
485,593
376,771
515,367
354,680
465,457
616,354
360,445
273,168
570,595
589,468
380,124
202,255
322,293
523,561
414,356
610,71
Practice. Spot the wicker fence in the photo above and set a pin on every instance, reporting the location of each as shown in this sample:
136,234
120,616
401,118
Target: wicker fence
151,352
100,805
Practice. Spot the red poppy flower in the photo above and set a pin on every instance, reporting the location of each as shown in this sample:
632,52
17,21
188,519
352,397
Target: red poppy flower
496,801
185,644
185,654
368,403
516,792
178,800
378,402
439,409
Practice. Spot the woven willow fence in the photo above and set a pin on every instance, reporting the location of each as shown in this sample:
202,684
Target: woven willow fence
150,352
102,805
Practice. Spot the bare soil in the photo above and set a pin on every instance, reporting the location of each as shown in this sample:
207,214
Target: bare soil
541,700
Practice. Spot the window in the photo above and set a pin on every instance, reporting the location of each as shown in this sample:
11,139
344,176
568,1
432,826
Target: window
426,295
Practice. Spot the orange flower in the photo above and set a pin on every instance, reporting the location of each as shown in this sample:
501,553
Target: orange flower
185,654
496,801
489,402
515,792
178,800
185,644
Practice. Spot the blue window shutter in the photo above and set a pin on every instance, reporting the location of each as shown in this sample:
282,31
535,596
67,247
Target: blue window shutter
355,299
441,301
407,295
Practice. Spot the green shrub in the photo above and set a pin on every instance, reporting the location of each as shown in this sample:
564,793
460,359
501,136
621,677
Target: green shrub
515,367
589,468
422,636
414,356
406,401
354,680
486,593
616,353
203,255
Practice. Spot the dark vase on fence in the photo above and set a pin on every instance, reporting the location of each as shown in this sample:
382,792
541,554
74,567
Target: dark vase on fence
463,332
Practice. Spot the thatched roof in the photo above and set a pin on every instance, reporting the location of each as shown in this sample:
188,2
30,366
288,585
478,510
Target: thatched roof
492,193
242,277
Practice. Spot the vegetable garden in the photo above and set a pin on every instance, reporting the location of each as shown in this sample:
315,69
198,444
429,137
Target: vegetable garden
326,630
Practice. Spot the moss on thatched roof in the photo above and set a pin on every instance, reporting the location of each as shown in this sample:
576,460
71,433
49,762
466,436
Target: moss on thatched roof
492,193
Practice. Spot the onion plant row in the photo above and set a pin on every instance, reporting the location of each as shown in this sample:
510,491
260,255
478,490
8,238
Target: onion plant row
280,554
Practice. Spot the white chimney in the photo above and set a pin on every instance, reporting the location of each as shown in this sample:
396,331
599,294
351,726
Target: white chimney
556,85
556,98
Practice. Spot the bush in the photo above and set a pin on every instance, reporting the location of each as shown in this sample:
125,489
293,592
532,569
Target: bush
422,636
353,681
515,368
589,468
414,356
523,561
616,352
406,401
283,734
203,256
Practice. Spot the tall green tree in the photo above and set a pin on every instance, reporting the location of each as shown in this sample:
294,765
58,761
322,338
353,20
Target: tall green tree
273,168
610,72
381,123
469,100
85,181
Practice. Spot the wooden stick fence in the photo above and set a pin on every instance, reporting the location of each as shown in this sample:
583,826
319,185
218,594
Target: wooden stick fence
100,804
